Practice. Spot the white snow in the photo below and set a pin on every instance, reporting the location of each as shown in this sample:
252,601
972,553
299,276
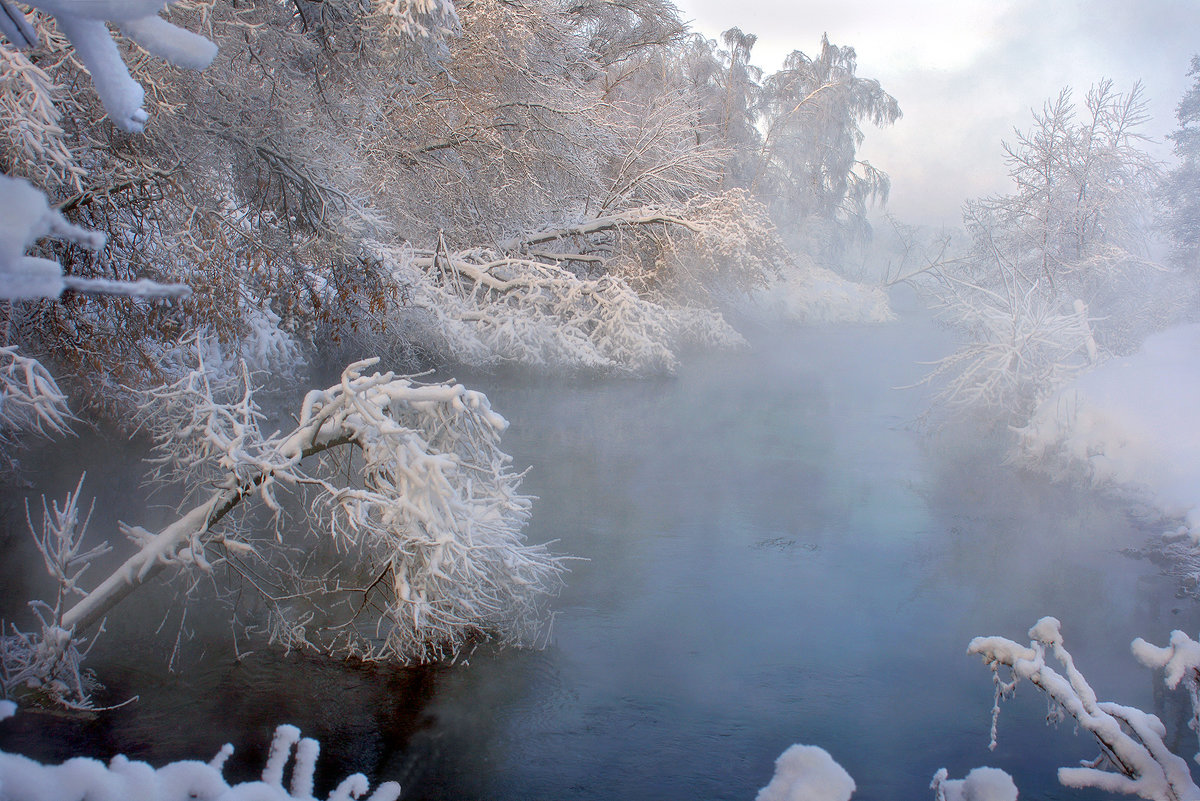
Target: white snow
981,784
812,294
123,779
1132,423
807,773
83,22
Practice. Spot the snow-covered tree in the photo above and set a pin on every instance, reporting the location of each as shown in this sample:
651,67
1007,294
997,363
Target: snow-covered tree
1057,272
808,170
1182,187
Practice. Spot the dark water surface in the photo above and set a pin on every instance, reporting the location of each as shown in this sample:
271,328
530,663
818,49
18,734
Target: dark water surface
772,555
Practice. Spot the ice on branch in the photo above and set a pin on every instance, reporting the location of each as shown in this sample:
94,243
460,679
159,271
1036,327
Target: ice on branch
981,784
807,773
83,23
1133,758
24,779
26,217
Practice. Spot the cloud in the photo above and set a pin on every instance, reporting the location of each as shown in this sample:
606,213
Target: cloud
966,72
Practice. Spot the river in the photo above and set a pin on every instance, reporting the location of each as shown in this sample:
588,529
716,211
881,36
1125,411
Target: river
771,550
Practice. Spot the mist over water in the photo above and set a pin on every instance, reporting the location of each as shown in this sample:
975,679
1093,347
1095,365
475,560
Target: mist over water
770,552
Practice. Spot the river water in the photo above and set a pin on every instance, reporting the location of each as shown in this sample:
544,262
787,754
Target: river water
771,552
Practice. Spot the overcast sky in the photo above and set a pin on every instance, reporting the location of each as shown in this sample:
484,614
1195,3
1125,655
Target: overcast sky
966,72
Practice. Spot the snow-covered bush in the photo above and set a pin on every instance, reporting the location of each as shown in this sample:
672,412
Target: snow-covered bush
124,779
422,549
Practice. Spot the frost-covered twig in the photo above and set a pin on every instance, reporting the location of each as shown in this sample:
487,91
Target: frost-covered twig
1133,757
30,401
24,779
50,659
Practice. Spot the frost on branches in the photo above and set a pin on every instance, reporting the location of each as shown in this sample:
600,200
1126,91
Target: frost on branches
1133,757
487,308
422,549
124,779
30,403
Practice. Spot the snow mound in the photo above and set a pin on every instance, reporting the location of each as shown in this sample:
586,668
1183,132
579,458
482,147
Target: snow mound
1132,423
807,773
817,295
981,784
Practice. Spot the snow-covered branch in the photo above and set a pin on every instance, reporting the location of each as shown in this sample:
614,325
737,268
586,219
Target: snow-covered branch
492,308
434,513
1180,662
24,779
83,23
608,222
26,217
1133,759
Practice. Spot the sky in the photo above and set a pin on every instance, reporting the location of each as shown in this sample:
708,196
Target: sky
967,72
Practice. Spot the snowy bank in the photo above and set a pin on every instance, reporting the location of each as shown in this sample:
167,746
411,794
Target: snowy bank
123,779
1132,423
817,295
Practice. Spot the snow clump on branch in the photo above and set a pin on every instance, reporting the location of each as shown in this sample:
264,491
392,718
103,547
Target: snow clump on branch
26,217
807,773
83,23
1133,759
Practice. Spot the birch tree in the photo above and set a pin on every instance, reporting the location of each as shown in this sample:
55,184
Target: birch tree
808,170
